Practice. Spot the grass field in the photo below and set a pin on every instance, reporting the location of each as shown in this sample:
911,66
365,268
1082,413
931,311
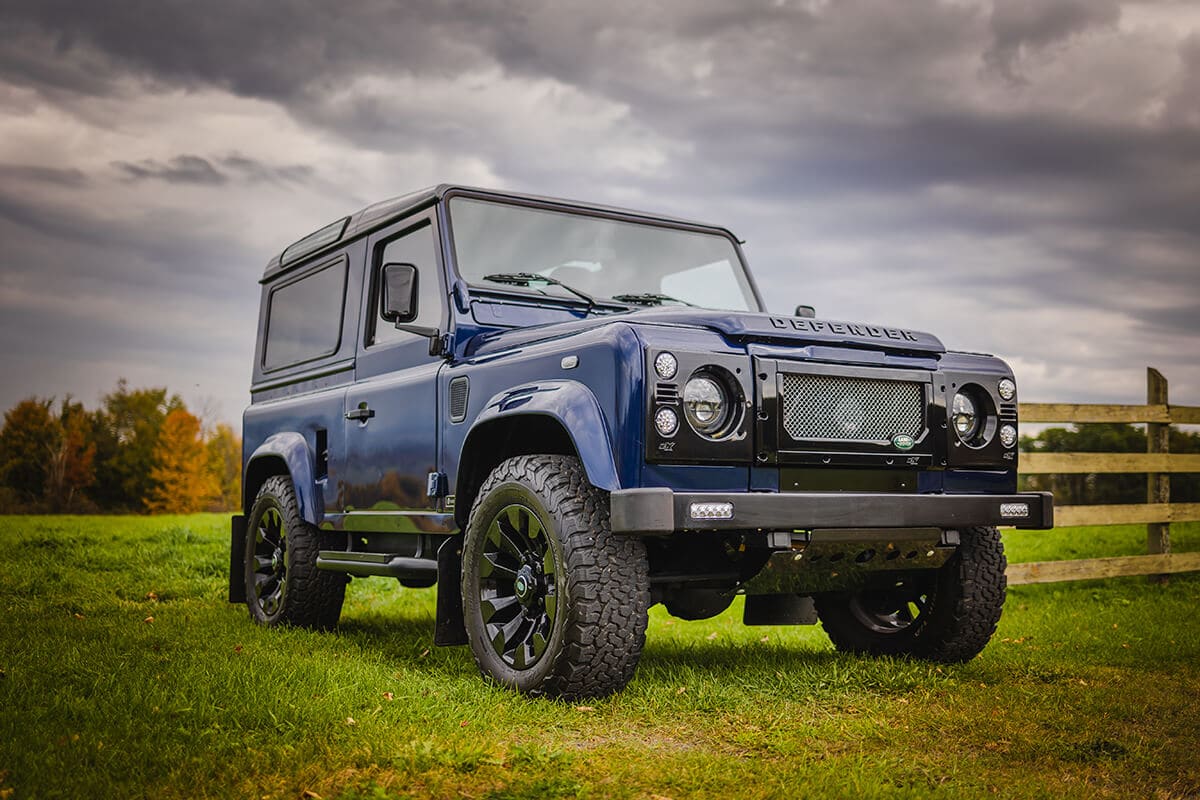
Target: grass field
124,673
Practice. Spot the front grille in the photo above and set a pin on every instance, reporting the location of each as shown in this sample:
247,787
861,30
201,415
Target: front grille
851,409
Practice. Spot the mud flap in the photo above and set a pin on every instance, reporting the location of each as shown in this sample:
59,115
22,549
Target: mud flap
237,561
779,609
449,628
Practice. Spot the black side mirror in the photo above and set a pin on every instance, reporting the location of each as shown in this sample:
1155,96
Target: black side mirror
398,293
808,312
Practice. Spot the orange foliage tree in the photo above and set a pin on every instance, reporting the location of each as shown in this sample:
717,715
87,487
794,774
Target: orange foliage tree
183,479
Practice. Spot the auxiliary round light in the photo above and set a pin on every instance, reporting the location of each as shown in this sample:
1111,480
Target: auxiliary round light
1007,389
1008,435
705,404
964,414
666,421
666,366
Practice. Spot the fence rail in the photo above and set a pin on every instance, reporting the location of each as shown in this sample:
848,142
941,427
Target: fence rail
1157,513
1070,412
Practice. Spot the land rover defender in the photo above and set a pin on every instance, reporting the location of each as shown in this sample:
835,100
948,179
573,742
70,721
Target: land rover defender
561,414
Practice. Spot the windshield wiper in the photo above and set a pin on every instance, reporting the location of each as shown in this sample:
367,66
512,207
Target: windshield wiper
650,299
526,278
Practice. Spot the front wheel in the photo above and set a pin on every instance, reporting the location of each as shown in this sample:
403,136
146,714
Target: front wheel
946,615
554,603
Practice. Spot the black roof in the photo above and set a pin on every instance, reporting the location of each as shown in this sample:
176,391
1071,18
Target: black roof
379,214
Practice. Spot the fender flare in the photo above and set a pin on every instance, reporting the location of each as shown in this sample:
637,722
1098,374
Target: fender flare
573,406
292,449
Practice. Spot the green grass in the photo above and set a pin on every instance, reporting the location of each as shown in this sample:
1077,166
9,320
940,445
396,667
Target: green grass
1088,690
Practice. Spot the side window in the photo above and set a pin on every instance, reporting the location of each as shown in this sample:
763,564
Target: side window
416,247
304,317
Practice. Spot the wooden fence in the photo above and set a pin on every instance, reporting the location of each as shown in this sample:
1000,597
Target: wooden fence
1158,512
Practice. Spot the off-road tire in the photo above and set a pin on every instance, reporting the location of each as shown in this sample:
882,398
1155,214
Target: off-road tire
311,598
964,600
601,582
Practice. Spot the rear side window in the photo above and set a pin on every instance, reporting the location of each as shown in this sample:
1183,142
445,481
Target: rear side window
304,317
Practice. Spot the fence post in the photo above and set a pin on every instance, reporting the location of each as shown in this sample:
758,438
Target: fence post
1158,486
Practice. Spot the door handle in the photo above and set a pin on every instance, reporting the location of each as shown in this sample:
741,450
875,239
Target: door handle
362,413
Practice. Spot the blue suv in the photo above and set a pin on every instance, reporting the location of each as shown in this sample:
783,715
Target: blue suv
561,414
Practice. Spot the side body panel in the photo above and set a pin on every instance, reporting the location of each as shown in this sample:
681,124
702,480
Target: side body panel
590,383
306,400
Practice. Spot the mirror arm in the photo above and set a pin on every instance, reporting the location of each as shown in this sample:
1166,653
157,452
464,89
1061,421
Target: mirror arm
438,342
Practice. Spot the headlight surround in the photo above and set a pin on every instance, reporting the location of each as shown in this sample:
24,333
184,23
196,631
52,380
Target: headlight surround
973,416
706,404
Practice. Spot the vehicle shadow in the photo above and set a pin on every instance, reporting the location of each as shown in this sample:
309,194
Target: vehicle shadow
407,638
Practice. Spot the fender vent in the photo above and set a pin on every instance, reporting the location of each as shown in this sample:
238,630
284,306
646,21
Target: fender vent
459,391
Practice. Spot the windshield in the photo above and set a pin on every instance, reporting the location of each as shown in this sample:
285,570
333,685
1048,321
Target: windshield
634,263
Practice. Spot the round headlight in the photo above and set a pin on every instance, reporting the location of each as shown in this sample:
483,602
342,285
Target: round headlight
666,421
1006,388
666,365
964,414
705,404
1008,435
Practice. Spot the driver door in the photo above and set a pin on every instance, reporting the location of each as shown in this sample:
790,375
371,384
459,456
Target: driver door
391,410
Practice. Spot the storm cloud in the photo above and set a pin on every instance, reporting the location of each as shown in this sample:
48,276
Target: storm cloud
1021,177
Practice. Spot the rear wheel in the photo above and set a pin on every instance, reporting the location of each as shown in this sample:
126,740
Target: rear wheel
283,584
948,614
554,603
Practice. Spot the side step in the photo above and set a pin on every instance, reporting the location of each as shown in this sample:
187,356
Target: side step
385,564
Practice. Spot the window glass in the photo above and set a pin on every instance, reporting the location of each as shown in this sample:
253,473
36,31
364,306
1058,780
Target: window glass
602,257
417,247
304,319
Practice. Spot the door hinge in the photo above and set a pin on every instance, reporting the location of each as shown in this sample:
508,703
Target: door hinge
437,484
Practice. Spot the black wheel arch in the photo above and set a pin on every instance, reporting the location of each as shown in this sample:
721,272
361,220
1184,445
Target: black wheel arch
494,441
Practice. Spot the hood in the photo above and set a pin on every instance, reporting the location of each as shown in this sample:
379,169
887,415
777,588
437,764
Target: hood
742,327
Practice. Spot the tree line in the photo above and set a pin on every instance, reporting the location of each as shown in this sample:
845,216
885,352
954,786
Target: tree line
142,450
1098,489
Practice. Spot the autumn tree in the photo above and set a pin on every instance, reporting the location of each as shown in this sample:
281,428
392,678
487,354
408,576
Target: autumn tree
126,431
225,464
182,481
70,462
30,433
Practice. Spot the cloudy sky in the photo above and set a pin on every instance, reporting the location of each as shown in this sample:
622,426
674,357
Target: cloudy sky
1022,178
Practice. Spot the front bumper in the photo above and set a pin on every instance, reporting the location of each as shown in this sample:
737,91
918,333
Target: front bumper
663,511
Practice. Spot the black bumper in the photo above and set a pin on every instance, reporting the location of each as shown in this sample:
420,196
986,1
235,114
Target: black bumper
663,511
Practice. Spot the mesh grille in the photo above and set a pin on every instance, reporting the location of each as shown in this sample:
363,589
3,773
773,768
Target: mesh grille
850,409
459,389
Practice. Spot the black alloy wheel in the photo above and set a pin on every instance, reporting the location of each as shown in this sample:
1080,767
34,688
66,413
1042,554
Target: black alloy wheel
518,595
947,615
894,609
270,562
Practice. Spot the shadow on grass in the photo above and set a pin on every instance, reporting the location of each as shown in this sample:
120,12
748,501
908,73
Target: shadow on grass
667,662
